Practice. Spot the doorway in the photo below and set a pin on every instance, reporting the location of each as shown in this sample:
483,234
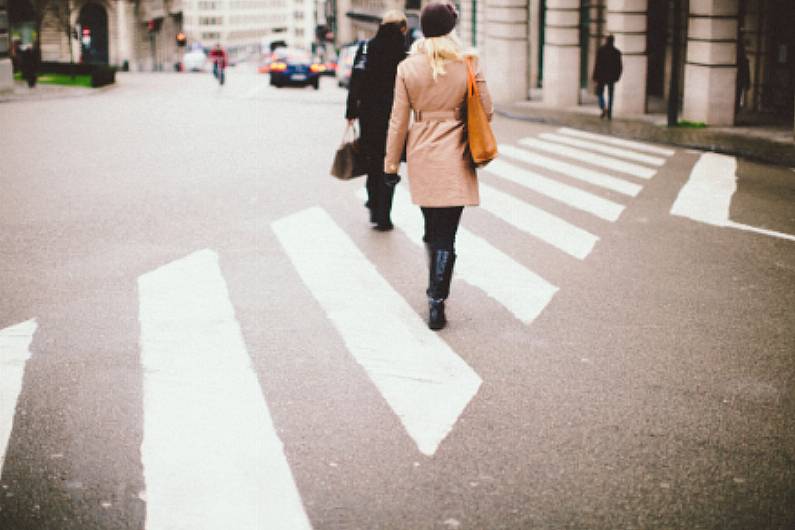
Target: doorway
93,22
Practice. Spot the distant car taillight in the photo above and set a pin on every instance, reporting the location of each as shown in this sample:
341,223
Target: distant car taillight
278,67
317,68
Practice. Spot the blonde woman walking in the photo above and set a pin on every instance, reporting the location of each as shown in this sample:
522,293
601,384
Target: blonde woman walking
431,86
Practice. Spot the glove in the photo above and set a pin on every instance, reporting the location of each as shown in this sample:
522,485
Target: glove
390,179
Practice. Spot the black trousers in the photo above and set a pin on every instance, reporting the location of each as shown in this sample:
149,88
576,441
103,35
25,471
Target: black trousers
379,195
441,225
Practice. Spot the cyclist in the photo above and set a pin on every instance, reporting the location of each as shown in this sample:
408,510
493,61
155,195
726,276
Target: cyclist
220,61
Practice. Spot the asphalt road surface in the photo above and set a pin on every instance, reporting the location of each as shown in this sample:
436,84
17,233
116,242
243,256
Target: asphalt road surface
200,330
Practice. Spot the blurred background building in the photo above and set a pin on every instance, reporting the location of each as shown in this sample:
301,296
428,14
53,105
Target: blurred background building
735,59
733,65
136,35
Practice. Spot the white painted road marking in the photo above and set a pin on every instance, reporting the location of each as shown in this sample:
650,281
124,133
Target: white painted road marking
424,382
706,196
571,170
14,354
607,162
569,195
594,146
637,146
549,228
211,456
520,290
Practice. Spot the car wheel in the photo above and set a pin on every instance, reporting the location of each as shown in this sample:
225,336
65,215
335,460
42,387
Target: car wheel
316,84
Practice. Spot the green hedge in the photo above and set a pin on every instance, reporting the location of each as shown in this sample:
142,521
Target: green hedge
100,74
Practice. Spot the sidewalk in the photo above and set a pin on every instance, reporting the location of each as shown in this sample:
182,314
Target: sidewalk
41,91
771,145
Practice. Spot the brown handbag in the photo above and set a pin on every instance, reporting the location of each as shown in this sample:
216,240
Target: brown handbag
482,144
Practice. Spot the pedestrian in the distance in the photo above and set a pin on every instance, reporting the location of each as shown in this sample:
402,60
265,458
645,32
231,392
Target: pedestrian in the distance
29,65
372,88
432,83
220,61
606,72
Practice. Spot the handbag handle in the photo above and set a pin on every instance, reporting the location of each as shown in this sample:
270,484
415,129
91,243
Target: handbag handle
349,128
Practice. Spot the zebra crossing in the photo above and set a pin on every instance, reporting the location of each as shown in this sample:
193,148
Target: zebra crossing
205,418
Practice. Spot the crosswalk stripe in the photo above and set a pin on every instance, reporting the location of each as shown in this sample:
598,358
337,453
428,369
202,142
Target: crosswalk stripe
569,195
520,290
590,158
618,141
14,354
707,195
594,146
210,453
571,170
551,229
421,378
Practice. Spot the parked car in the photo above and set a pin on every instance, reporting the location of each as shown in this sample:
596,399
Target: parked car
294,67
331,68
345,64
195,61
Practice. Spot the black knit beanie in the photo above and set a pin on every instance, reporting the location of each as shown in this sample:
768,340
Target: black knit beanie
437,19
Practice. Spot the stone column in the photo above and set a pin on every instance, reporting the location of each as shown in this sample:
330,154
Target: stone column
6,70
345,33
124,32
505,56
626,20
562,53
6,75
710,68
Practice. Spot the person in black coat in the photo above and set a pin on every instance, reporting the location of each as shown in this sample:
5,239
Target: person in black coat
606,72
370,95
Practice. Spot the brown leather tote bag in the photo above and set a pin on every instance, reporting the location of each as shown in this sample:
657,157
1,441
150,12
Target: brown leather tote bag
482,144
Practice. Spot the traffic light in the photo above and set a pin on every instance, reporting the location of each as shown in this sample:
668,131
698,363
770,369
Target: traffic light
182,40
150,26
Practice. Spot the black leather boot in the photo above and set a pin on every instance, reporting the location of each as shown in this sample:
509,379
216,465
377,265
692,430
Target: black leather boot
382,214
440,274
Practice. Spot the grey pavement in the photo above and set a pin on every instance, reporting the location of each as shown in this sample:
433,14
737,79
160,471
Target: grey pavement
656,388
768,144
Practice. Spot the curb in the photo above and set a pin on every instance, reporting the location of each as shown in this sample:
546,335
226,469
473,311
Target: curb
749,147
66,93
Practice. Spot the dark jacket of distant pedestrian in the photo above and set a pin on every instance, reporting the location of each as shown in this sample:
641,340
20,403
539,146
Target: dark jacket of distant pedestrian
370,95
431,85
29,65
606,72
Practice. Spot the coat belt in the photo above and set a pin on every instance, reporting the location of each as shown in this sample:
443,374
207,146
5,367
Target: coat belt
437,115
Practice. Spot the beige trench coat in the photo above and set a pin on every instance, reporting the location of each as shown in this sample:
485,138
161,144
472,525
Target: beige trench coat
430,113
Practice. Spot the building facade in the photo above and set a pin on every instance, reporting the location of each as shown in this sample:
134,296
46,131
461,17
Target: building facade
736,66
135,35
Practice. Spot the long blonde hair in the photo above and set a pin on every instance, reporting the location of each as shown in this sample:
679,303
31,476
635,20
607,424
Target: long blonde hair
440,50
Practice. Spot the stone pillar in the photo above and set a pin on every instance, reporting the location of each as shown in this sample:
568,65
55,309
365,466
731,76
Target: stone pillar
710,68
345,33
6,75
626,19
6,70
505,56
562,53
124,32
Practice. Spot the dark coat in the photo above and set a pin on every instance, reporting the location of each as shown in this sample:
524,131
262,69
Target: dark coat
608,64
372,88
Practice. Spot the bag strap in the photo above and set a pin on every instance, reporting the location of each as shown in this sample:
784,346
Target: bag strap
472,85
